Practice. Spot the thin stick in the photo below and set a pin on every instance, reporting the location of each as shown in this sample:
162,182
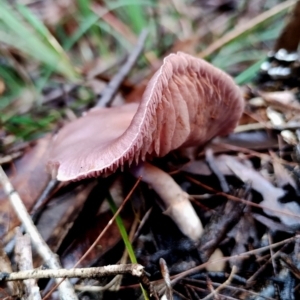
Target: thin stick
114,284
111,89
110,270
223,285
191,271
23,257
234,198
35,211
252,278
66,290
108,224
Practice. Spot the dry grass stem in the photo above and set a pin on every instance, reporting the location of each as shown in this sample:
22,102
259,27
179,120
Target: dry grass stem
236,32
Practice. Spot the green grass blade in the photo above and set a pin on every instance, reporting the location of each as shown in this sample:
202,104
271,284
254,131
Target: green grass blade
133,11
125,237
15,32
122,230
43,31
249,74
84,27
84,7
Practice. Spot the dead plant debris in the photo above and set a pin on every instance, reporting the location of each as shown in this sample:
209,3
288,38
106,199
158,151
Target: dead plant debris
114,237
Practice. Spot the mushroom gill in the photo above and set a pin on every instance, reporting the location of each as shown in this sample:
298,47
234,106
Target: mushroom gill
186,103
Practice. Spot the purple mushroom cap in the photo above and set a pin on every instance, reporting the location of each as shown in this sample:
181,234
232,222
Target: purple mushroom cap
186,103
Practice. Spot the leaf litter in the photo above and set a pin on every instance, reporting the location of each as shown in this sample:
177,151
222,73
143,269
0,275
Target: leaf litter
246,193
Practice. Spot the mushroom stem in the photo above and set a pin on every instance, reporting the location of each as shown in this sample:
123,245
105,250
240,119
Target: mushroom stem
178,206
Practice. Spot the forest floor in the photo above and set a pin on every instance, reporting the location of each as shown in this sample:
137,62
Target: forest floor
59,59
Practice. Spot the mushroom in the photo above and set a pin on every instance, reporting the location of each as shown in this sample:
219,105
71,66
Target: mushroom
186,103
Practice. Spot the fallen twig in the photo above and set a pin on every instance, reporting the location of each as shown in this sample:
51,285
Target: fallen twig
196,269
223,285
135,270
35,211
111,89
234,198
132,269
66,290
98,238
23,257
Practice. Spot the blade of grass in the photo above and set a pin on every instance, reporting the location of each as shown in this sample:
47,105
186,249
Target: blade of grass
85,11
247,27
223,62
84,7
43,31
18,34
249,74
124,236
84,27
118,37
92,19
133,13
246,49
13,86
87,24
122,230
115,22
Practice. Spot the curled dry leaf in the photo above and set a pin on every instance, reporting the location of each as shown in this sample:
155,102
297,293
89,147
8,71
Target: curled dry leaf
200,167
282,175
29,178
285,100
288,213
257,140
282,97
186,103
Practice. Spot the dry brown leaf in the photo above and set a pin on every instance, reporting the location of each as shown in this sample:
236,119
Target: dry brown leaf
285,100
60,214
271,194
282,175
29,177
200,167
